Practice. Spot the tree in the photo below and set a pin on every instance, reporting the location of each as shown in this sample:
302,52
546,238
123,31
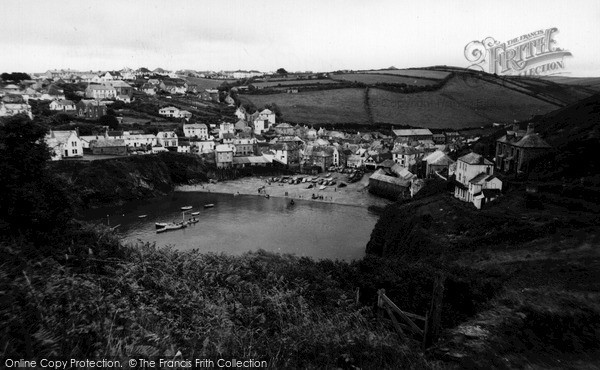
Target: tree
282,71
32,201
111,121
15,76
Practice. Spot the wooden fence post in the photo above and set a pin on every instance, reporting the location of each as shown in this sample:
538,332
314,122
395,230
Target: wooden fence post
434,315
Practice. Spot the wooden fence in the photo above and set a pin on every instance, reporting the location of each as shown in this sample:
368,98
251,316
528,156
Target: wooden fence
426,328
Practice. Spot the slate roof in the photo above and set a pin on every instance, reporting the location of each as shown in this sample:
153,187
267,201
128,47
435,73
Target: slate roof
474,159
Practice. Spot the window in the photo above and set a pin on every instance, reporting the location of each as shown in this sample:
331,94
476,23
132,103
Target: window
74,151
73,143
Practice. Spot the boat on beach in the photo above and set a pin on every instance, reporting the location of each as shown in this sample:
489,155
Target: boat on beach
192,221
210,205
142,216
160,225
195,213
186,208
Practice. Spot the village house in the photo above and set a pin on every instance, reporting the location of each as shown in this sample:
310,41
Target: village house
241,126
167,139
240,113
173,86
263,121
123,89
226,128
406,156
108,146
174,112
355,161
322,158
286,153
411,135
100,92
244,147
515,149
12,109
388,186
148,89
90,109
210,95
284,129
437,162
202,146
473,174
64,144
66,106
195,130
224,155
251,161
143,141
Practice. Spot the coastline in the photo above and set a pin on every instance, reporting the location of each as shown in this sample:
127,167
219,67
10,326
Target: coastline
355,194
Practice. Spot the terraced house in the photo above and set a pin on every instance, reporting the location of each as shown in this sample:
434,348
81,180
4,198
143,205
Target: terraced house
100,92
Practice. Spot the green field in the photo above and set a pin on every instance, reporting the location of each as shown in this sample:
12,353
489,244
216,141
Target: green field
317,107
460,103
464,101
206,83
321,81
422,73
371,79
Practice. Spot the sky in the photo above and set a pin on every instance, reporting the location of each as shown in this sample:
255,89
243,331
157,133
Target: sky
311,35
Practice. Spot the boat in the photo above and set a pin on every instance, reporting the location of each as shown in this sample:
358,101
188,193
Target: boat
142,216
170,227
195,213
209,205
160,225
322,187
192,221
186,208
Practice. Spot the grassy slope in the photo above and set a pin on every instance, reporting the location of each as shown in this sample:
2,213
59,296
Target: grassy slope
543,247
326,106
423,73
368,78
465,101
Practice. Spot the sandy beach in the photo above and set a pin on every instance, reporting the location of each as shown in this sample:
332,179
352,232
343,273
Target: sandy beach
355,194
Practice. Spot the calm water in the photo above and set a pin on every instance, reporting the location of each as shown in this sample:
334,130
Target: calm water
245,223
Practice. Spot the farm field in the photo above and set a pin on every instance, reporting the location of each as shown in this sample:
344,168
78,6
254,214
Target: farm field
461,103
422,73
421,110
205,83
592,83
294,83
317,107
371,79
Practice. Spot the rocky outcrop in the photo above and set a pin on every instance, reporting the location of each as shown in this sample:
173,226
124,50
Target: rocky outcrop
119,180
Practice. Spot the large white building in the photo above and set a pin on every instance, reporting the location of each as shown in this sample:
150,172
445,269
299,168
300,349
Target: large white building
195,130
64,144
475,179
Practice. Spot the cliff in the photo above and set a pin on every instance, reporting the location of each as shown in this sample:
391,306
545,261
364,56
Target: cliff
119,180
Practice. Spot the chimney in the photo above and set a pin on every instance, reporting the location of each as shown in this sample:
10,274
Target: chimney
530,128
515,127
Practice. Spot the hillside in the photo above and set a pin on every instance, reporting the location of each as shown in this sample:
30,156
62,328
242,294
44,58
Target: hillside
440,97
317,107
543,247
130,178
